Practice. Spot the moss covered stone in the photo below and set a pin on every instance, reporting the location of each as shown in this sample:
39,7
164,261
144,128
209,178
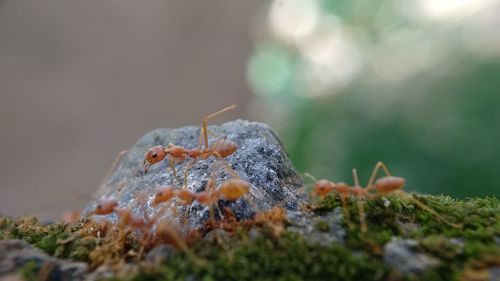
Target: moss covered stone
472,250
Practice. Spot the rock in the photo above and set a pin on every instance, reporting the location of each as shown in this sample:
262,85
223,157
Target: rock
322,229
494,274
103,272
260,159
15,254
402,255
254,234
160,253
407,227
459,243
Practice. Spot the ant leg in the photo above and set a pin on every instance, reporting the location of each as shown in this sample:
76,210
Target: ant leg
229,169
122,234
377,167
355,177
205,134
305,187
345,209
186,170
313,178
171,162
362,215
211,211
202,132
221,214
112,167
179,240
427,208
215,135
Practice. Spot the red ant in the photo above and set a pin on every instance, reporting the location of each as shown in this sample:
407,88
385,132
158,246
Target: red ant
230,190
109,205
127,220
105,206
221,149
374,188
163,194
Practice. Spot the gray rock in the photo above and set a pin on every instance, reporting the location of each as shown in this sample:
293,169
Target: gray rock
459,243
160,253
259,159
407,227
402,255
494,274
103,272
322,229
15,254
254,234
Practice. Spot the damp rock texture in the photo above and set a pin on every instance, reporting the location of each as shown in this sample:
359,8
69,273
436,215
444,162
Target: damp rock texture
17,255
323,229
260,160
403,255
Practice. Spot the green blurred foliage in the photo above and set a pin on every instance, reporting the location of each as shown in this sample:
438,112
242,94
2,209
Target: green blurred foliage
442,135
424,95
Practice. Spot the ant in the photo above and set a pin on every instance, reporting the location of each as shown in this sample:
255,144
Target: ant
221,149
163,194
374,188
105,206
230,190
130,222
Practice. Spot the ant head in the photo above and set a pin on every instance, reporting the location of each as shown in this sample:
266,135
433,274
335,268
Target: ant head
163,194
154,155
323,187
105,206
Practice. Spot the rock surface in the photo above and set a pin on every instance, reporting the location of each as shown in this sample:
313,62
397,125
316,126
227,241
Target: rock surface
260,159
401,254
322,229
16,254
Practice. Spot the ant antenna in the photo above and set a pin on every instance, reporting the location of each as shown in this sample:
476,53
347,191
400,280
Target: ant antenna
313,178
112,168
355,176
204,129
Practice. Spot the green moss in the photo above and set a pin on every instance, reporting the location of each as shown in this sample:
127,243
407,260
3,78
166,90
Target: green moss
286,258
60,240
29,271
322,226
291,257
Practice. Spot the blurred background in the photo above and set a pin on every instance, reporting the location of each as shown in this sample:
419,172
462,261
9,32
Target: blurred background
414,83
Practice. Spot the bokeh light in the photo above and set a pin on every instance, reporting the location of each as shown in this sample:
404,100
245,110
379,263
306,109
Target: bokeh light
269,70
413,83
452,10
292,20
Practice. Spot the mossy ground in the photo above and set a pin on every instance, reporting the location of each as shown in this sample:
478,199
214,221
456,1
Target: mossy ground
289,257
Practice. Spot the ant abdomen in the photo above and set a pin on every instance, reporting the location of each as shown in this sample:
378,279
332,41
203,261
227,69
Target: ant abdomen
224,148
233,189
389,184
